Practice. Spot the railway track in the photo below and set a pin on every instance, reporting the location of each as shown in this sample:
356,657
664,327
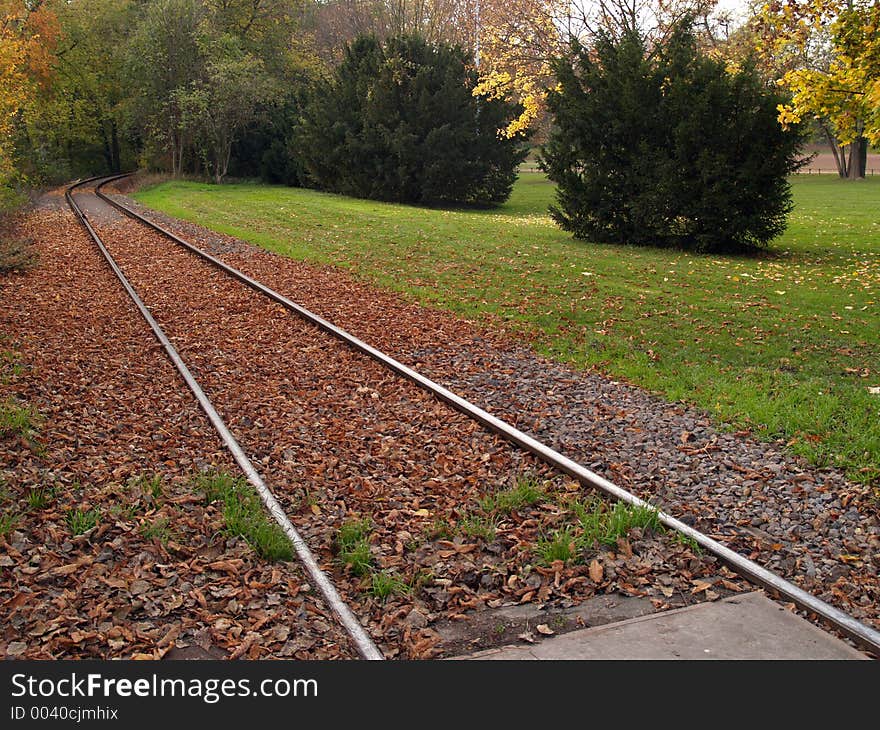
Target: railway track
861,634
361,640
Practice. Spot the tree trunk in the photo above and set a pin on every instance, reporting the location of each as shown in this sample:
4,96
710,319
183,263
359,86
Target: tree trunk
114,147
218,163
105,145
222,155
858,158
227,157
175,159
839,158
177,145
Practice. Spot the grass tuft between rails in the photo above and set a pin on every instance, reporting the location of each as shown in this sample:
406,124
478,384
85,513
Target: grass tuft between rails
245,515
560,545
158,529
18,420
597,524
8,521
40,497
11,367
477,525
604,525
353,552
353,540
147,485
525,493
81,521
591,522
491,509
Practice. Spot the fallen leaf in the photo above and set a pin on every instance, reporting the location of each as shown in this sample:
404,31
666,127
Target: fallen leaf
12,605
624,546
16,648
176,601
169,637
227,566
62,570
139,586
77,637
597,572
545,629
527,636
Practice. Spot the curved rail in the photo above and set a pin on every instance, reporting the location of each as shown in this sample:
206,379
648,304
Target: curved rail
859,632
363,643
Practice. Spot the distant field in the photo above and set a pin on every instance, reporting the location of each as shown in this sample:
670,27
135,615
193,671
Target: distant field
786,344
823,162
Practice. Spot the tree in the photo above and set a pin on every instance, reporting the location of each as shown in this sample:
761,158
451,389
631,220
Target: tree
174,84
265,29
400,122
215,110
268,151
336,23
827,53
163,59
83,111
520,40
667,147
28,34
207,71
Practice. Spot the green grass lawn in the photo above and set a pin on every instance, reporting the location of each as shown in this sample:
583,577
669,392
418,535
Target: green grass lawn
786,344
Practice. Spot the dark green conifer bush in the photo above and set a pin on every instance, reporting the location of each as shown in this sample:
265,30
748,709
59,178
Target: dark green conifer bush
667,147
399,122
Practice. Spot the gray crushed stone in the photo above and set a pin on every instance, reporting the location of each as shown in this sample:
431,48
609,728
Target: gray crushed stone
772,506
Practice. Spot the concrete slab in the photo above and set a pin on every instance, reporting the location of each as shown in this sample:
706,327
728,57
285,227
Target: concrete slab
493,627
750,626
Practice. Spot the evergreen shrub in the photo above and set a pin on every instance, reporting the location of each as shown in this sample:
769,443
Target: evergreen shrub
667,147
398,121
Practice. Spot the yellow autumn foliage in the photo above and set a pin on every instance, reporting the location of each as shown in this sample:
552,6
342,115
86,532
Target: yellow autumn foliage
519,40
842,87
27,39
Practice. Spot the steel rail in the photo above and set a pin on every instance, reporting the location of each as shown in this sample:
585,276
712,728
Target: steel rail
862,634
362,641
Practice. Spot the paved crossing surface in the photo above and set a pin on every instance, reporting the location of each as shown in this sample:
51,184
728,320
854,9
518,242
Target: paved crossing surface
748,626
